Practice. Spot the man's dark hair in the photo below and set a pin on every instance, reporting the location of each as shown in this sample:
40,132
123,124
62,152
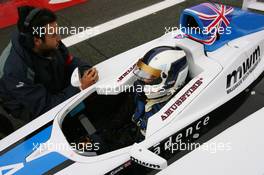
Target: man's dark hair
42,18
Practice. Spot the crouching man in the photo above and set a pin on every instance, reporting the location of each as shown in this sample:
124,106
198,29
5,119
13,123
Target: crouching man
36,67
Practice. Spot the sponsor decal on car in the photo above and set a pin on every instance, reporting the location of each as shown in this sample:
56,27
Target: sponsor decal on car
126,73
25,147
243,71
11,169
120,168
144,163
182,99
191,132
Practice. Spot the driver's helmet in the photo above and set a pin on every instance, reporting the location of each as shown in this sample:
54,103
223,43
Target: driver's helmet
161,72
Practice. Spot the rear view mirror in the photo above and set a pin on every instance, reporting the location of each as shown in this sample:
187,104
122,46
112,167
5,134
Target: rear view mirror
147,158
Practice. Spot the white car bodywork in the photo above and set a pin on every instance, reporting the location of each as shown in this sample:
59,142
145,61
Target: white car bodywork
228,152
253,4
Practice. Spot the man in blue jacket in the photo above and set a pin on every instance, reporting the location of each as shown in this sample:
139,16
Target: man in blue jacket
35,68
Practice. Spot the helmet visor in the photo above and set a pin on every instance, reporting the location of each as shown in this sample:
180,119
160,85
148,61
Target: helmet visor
144,71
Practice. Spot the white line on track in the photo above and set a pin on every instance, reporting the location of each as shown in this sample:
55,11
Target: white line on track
102,28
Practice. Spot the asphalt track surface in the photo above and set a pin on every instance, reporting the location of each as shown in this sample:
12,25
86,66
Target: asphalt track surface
104,46
116,41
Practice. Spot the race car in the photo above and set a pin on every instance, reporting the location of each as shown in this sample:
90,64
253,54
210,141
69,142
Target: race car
225,56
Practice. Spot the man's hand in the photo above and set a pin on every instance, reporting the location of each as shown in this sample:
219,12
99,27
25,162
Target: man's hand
89,78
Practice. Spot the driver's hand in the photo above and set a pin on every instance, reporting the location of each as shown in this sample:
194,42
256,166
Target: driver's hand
89,78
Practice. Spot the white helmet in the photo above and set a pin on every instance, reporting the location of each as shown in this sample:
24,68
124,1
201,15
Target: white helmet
162,71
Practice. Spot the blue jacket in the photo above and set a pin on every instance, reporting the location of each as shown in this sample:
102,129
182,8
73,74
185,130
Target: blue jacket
31,84
141,117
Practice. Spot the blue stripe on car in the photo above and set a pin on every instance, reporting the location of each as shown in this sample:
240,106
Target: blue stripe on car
39,166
